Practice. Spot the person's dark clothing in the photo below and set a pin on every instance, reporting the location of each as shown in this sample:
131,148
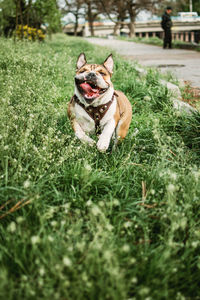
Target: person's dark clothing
166,26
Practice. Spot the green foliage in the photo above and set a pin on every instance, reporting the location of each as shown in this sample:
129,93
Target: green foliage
29,13
48,12
120,225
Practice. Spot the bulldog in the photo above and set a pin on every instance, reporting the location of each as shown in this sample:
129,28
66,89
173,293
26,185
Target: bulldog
96,107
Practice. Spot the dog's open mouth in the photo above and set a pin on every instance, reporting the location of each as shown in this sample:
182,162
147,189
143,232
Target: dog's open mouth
89,89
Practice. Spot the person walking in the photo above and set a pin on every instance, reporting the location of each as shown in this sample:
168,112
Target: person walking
166,26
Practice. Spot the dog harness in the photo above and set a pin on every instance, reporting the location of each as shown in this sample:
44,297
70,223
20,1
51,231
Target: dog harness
96,113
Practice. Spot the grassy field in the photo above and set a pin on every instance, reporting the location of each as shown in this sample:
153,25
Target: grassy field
79,224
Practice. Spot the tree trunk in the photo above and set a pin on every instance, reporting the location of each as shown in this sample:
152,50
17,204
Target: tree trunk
132,25
28,10
21,18
76,25
116,27
131,29
16,25
90,18
91,27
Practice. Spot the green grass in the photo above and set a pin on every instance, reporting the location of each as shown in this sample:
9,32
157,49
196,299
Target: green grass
120,225
159,42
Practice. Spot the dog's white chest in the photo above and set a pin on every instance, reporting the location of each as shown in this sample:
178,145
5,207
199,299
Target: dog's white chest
85,121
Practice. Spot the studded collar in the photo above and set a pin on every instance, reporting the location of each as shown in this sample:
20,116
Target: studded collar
96,113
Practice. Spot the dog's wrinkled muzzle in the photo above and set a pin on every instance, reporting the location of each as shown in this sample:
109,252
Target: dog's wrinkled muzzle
89,88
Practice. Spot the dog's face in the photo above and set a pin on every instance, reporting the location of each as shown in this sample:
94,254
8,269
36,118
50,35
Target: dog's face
92,80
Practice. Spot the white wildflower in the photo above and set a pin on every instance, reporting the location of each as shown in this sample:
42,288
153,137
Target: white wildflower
66,261
50,238
89,203
134,280
152,191
171,188
109,227
27,184
12,227
95,210
195,244
133,260
108,254
127,224
54,223
41,271
147,98
35,239
126,248
20,219
88,168
116,202
135,132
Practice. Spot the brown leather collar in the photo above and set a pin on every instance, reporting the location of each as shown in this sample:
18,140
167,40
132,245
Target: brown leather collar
96,113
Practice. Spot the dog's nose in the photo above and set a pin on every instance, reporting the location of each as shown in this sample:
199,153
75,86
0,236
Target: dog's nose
91,76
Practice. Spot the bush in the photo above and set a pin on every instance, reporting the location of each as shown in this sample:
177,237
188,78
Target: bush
29,33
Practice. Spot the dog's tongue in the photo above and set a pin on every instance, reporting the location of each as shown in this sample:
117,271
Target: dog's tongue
88,89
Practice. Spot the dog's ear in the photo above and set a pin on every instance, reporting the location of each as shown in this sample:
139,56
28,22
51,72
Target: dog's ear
108,64
81,61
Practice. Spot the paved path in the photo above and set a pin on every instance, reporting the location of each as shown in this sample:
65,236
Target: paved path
185,64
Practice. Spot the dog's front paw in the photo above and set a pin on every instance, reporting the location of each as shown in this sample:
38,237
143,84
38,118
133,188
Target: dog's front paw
102,145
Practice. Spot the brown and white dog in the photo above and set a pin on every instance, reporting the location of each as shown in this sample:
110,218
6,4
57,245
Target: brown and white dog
96,107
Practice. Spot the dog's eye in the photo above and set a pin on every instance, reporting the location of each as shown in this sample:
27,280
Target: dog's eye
102,73
82,71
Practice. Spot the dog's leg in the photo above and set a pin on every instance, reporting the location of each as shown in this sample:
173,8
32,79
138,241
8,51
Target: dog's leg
105,137
80,134
121,131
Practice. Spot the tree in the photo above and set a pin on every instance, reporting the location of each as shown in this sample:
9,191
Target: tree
93,9
47,12
74,7
116,12
128,9
28,12
7,17
183,5
136,6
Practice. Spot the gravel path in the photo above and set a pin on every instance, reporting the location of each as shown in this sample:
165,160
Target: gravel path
185,64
